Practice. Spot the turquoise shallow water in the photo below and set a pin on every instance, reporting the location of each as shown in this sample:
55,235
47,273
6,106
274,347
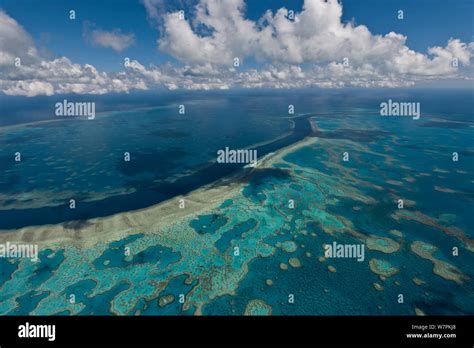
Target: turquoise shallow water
193,267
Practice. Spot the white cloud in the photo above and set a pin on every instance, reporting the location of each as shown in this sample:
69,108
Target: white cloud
317,36
15,42
62,76
36,75
114,39
306,52
28,88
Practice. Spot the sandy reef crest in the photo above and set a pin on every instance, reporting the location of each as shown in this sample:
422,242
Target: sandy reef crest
153,219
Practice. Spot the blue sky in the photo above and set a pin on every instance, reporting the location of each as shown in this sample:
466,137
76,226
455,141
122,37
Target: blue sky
427,23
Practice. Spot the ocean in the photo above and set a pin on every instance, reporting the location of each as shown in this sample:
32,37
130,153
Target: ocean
337,171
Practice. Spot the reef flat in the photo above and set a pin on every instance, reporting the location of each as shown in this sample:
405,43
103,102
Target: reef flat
441,268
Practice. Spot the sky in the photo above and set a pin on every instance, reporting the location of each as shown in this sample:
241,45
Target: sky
328,44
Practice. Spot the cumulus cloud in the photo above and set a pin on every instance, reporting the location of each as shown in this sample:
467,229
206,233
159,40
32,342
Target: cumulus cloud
315,49
25,72
15,42
155,8
317,35
28,88
62,76
114,39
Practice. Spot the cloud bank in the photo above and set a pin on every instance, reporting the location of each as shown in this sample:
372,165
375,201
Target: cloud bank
312,49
